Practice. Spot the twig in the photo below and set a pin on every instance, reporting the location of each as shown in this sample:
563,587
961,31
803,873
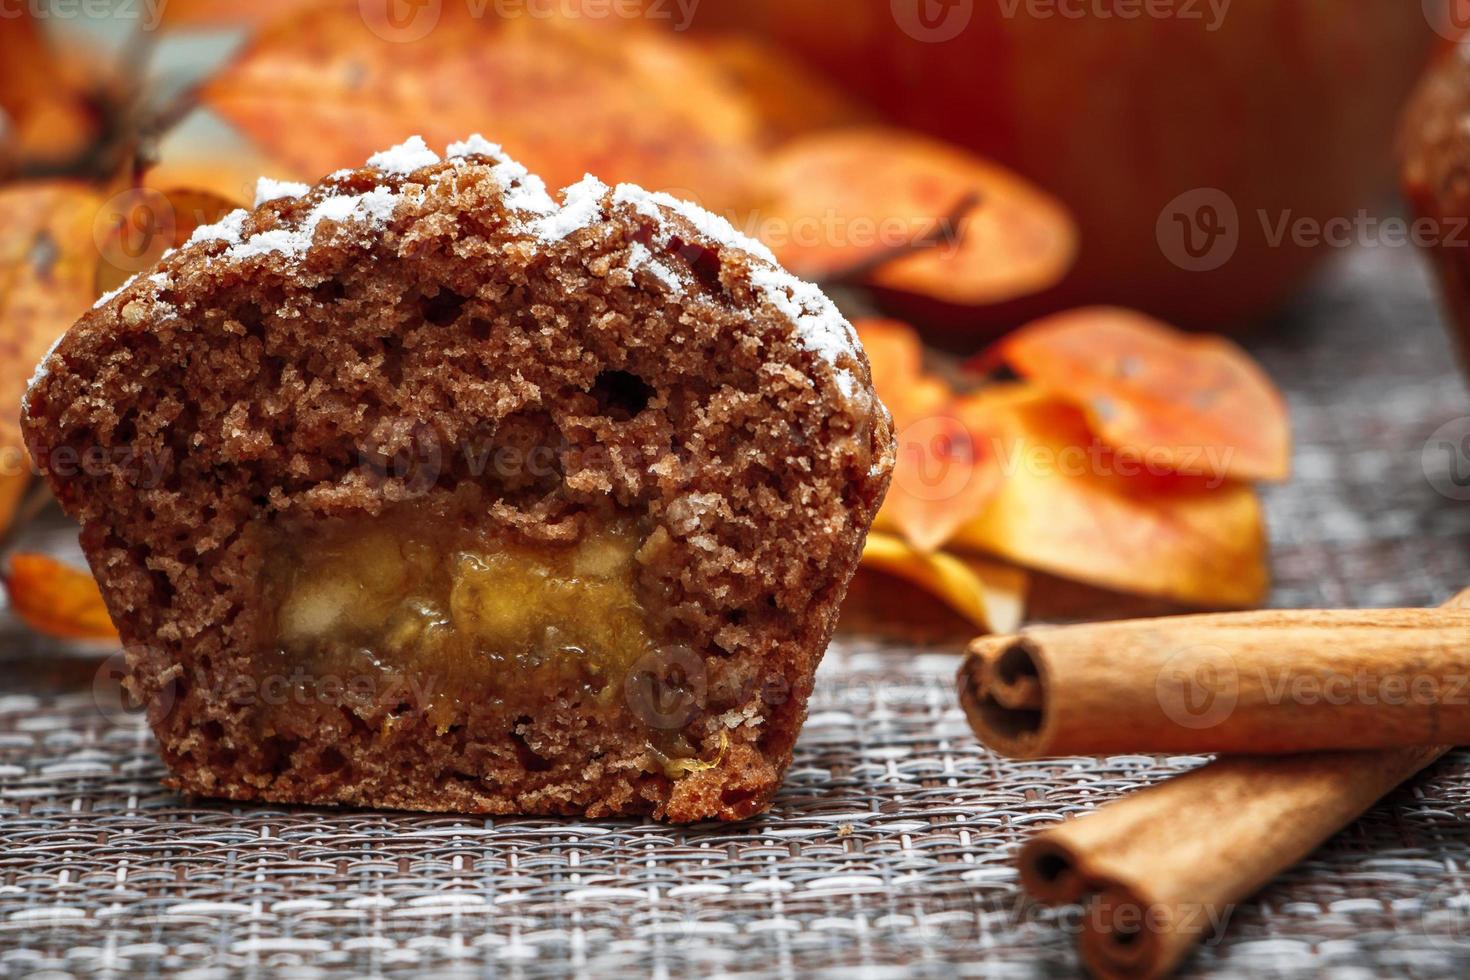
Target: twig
943,230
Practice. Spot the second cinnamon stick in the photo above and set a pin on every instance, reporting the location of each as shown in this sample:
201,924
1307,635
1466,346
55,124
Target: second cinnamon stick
1246,683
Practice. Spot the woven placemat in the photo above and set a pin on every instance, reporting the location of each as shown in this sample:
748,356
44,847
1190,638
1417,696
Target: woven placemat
889,849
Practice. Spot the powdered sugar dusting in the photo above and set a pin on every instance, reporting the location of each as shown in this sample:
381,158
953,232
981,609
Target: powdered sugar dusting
639,257
267,190
477,145
374,206
522,190
712,226
39,374
581,206
404,158
111,294
226,229
820,327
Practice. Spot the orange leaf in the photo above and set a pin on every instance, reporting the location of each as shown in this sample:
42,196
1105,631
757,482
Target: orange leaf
989,595
945,471
136,226
227,13
47,267
846,198
57,600
335,84
1194,404
1071,505
42,98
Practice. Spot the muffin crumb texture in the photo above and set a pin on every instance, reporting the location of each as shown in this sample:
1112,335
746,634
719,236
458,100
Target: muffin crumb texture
420,488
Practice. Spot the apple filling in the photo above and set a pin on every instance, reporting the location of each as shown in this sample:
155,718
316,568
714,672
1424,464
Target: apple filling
463,614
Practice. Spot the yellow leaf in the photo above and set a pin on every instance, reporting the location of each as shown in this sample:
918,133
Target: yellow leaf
988,594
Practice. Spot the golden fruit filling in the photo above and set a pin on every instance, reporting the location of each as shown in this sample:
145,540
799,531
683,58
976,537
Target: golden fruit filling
462,614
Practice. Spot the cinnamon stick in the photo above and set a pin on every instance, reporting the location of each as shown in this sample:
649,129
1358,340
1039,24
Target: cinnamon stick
1256,683
1162,869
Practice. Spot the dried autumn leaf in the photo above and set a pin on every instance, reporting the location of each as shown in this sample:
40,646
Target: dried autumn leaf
47,268
990,595
49,118
329,87
227,13
135,227
56,599
850,198
1195,404
1073,506
945,471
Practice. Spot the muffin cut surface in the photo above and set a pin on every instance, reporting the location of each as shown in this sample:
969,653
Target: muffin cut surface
424,490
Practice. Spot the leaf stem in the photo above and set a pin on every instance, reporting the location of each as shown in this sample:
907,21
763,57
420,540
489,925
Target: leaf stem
942,231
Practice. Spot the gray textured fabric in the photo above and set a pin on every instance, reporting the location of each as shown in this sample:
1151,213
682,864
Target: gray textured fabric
889,850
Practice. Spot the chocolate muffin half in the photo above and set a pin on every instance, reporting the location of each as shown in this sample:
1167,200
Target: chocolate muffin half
419,489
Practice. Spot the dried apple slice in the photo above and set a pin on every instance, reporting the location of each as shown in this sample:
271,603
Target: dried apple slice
990,595
1071,505
56,599
862,198
1194,404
